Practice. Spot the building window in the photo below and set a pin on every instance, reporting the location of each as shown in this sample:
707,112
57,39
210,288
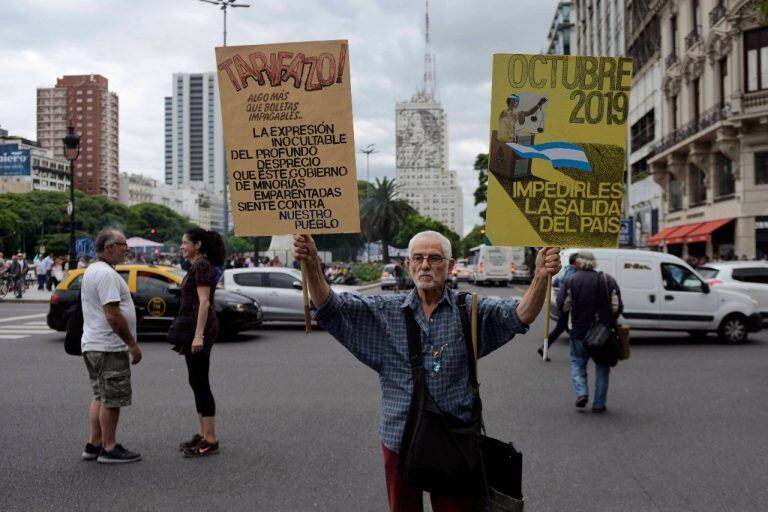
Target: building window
756,56
673,33
675,194
698,185
726,182
640,170
761,168
723,69
673,106
696,94
643,130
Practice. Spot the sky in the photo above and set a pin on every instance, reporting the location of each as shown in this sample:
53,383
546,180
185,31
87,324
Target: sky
138,45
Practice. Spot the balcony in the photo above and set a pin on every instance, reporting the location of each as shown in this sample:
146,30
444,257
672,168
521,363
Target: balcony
754,99
671,60
717,13
707,119
693,37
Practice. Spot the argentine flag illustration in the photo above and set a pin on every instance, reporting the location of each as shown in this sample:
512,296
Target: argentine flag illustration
561,154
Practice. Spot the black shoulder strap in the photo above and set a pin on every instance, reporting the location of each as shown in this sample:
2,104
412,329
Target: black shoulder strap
414,338
471,357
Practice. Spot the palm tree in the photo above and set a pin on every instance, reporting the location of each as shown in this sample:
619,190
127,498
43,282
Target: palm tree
381,211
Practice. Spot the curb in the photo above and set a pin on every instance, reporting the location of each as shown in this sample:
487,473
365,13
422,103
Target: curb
25,301
368,286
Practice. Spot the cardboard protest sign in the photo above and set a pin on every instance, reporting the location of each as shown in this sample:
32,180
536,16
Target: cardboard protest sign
558,150
287,113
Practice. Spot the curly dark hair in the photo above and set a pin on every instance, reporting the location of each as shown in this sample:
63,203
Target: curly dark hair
211,245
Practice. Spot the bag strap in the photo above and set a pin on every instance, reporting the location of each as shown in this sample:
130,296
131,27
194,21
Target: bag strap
413,331
471,350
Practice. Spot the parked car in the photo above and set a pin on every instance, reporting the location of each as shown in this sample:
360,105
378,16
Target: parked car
461,272
157,295
663,293
750,277
276,289
497,265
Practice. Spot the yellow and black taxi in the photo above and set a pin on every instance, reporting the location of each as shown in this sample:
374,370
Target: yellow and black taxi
156,291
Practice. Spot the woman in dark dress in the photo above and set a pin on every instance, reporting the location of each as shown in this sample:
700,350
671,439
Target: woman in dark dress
205,252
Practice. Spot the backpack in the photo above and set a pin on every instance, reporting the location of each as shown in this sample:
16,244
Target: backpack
75,329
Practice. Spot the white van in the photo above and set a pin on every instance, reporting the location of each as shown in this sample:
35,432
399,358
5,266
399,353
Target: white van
662,293
492,264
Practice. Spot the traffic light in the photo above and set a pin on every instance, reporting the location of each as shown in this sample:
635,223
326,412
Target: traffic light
152,231
482,231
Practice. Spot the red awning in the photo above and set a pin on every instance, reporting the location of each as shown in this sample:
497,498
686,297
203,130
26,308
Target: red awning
659,237
678,236
704,231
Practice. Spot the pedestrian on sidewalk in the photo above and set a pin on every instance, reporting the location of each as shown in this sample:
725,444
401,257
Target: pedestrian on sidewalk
594,296
562,316
109,335
44,272
205,252
14,272
373,329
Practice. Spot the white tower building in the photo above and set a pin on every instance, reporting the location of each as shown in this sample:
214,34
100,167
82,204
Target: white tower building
422,171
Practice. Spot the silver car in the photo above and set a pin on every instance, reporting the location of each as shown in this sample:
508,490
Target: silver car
276,289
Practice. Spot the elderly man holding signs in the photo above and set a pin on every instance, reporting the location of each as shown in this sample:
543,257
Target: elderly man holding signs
377,331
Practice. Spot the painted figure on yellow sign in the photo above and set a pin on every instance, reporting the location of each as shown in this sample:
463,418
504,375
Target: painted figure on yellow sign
511,119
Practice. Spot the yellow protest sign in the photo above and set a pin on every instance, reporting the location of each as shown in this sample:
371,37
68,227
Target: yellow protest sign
287,115
558,150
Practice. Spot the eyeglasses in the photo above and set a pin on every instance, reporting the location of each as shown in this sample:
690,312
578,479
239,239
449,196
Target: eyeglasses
432,259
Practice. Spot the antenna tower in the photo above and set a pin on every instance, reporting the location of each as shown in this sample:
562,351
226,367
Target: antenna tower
429,71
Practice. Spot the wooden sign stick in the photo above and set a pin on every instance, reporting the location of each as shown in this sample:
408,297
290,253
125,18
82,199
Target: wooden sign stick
305,294
546,321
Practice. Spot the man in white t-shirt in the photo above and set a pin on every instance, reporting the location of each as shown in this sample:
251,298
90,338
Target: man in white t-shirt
109,335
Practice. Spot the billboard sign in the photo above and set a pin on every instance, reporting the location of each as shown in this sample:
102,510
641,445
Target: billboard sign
14,161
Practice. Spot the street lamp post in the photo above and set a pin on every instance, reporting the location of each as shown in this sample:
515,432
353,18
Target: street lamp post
368,151
71,152
224,5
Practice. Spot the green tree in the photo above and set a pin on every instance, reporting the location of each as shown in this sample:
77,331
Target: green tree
416,223
481,192
763,8
473,239
382,211
168,224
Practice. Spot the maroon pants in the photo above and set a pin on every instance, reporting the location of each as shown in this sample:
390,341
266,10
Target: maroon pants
404,498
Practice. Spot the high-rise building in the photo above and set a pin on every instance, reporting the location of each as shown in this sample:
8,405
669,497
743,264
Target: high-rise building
712,161
25,166
422,172
600,28
86,102
643,41
194,140
562,38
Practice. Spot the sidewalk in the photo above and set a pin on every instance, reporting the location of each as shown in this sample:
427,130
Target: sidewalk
31,296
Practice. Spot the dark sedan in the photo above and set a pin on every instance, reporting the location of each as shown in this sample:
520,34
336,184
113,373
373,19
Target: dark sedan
156,292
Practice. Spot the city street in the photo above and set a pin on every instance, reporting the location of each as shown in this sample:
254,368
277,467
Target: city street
297,419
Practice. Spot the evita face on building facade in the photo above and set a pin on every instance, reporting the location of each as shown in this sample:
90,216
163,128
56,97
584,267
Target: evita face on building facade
419,138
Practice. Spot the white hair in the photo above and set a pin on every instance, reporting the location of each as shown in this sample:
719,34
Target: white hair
586,260
445,244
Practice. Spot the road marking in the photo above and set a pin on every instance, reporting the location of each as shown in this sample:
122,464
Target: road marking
13,319
13,330
11,337
44,324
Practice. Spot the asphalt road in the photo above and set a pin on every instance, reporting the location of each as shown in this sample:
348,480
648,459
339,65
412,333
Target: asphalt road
297,418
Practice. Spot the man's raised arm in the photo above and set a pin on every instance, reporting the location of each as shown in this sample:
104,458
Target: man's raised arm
547,264
305,250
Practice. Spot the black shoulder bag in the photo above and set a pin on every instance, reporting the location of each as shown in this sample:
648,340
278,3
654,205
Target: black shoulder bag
601,341
441,453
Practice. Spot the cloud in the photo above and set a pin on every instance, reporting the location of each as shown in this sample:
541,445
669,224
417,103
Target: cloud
138,45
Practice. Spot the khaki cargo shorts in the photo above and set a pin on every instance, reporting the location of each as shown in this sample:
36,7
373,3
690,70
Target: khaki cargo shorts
110,374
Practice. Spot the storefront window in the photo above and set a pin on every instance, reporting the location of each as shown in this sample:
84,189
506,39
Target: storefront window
726,183
698,185
675,195
761,168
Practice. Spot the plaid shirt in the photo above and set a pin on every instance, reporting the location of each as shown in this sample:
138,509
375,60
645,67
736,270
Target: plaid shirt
373,329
